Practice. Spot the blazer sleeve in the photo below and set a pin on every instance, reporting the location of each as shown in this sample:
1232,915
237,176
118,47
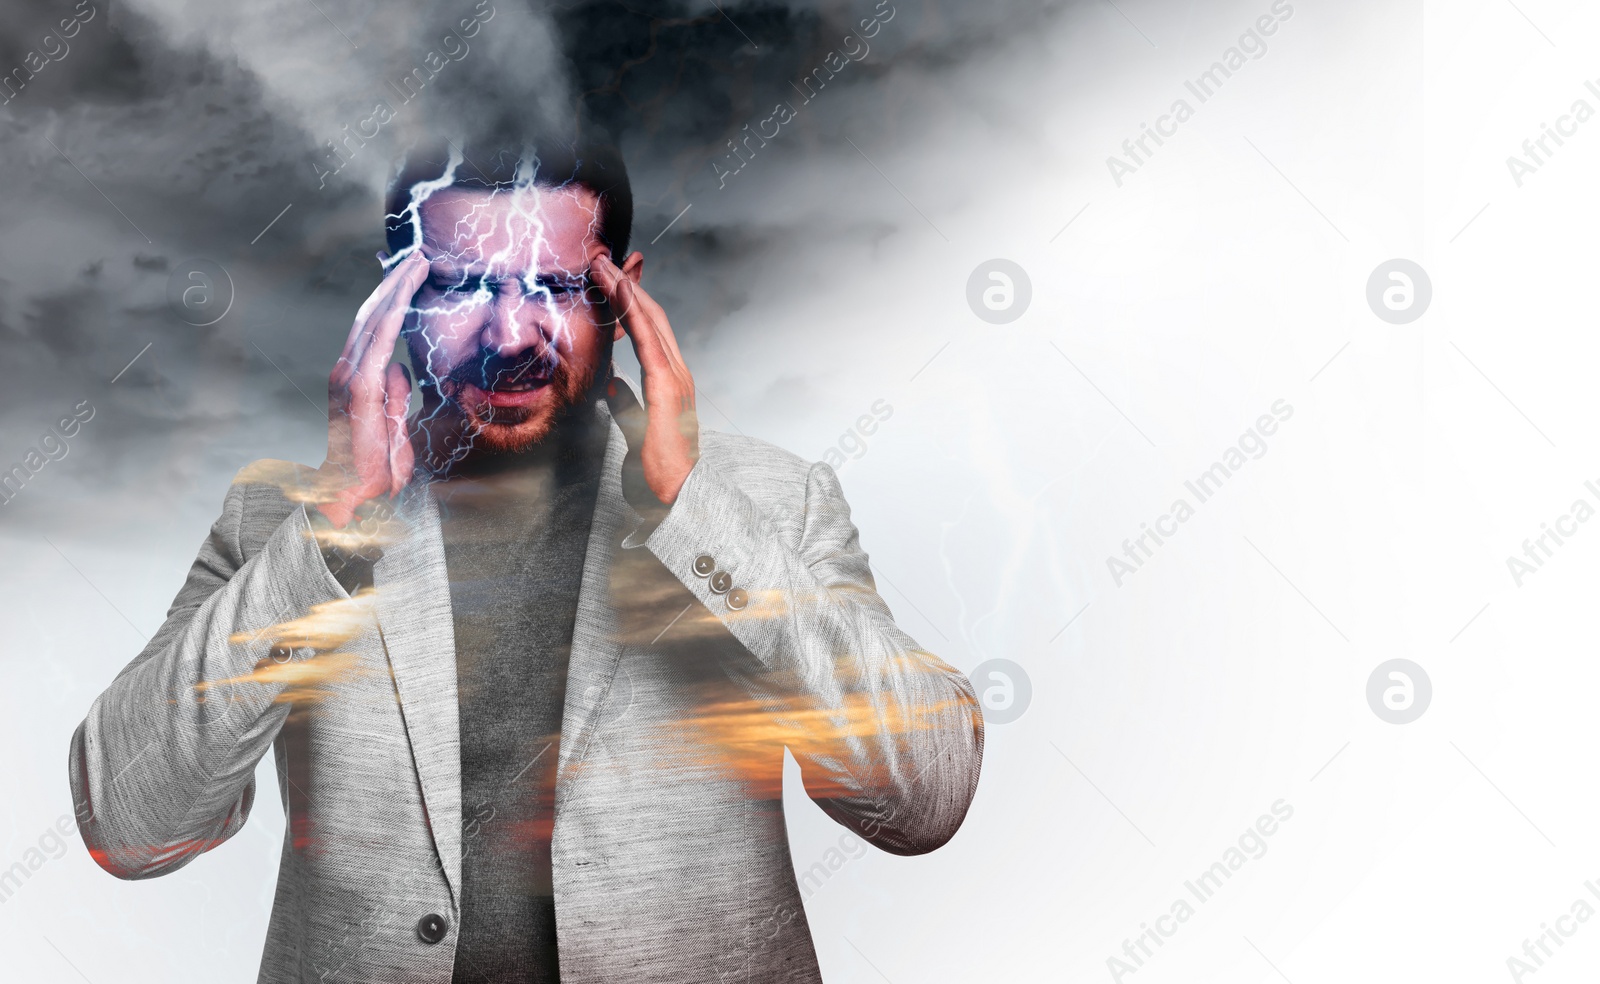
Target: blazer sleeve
889,738
163,767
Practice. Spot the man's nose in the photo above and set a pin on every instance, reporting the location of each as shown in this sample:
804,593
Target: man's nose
516,324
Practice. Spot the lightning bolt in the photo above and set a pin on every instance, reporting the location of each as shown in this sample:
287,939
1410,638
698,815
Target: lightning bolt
513,214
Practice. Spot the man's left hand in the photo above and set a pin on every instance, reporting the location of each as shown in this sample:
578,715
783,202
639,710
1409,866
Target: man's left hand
672,432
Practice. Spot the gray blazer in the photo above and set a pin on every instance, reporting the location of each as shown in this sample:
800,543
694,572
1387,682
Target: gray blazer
670,854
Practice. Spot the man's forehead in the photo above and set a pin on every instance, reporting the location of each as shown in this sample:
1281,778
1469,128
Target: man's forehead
518,227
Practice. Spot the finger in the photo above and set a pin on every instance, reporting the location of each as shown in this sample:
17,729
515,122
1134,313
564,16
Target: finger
647,305
388,318
397,402
637,319
608,279
657,316
669,339
360,329
379,294
396,282
401,285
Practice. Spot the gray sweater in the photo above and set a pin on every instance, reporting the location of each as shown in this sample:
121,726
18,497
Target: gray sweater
514,543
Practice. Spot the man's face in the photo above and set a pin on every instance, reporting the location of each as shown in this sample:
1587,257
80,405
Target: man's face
503,331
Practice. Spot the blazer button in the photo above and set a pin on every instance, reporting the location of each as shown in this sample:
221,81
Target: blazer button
737,599
432,928
721,581
704,565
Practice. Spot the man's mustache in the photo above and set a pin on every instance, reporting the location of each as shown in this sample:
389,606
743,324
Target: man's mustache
489,370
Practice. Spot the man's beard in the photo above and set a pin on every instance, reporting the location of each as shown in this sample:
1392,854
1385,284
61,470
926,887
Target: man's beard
517,430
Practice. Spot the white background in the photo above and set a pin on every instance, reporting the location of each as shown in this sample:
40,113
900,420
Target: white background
1218,679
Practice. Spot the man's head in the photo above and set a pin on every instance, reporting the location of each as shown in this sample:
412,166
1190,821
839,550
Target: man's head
505,334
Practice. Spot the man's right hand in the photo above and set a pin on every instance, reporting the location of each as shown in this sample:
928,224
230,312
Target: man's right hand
369,443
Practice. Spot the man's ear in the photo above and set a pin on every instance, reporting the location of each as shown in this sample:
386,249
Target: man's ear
633,266
633,269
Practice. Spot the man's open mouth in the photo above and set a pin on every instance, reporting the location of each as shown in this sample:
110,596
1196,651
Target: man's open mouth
504,392
517,386
503,385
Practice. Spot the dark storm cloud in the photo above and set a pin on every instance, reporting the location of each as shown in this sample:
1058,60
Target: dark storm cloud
678,86
130,153
167,130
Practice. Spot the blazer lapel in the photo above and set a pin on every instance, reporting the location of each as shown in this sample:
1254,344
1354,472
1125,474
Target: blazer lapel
418,632
596,646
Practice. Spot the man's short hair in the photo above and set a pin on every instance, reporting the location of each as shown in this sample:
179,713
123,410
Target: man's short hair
494,162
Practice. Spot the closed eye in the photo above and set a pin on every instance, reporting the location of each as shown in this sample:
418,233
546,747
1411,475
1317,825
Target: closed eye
563,286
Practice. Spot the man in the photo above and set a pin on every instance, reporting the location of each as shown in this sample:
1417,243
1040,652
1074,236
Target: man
528,659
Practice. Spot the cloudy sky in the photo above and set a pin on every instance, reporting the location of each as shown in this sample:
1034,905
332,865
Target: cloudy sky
1175,299
170,133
